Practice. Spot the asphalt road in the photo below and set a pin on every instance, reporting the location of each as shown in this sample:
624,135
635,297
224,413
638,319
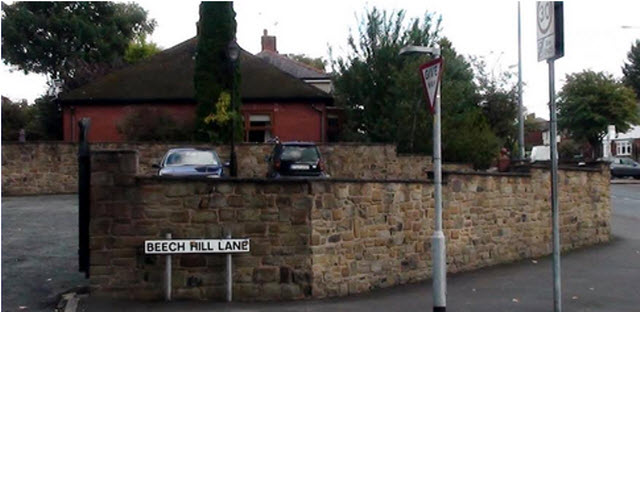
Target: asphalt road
39,251
39,245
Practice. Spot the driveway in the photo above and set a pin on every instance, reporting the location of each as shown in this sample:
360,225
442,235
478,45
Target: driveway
39,251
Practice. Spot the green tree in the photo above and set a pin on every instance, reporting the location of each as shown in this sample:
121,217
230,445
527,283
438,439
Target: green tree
631,70
41,121
58,38
499,102
384,99
590,101
15,116
317,63
372,79
214,71
139,50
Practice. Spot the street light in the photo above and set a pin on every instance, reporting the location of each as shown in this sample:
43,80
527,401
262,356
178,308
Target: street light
438,246
233,52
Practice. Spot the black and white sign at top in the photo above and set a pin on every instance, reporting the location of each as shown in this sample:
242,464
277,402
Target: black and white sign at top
200,245
431,73
550,30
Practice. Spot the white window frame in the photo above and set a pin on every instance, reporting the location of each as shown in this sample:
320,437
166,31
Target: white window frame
623,148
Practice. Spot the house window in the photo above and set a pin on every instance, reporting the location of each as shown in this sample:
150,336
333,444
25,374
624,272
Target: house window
259,128
623,148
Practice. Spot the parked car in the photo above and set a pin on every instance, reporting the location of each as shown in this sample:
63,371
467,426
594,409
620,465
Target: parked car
189,162
624,167
295,159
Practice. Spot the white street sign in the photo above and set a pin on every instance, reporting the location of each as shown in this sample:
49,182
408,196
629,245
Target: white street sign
550,30
201,245
430,74
546,30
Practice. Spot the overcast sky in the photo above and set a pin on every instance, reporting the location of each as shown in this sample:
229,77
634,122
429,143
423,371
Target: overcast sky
594,37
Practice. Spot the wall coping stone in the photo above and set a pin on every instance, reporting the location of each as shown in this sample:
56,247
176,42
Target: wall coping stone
158,179
123,150
486,174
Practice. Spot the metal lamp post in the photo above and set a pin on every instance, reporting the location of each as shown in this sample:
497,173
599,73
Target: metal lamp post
233,51
438,245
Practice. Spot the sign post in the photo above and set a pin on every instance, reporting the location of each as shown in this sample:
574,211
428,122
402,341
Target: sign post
550,29
170,246
431,74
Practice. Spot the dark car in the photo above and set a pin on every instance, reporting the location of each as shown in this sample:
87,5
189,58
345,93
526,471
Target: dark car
295,159
190,162
624,167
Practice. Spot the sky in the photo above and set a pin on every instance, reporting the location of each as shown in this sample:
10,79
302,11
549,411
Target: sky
594,37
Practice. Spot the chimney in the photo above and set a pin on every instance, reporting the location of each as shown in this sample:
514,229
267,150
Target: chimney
268,42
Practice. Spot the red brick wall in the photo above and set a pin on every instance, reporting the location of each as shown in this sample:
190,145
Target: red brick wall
291,121
105,119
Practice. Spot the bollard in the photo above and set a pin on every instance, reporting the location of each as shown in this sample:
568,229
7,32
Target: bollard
167,274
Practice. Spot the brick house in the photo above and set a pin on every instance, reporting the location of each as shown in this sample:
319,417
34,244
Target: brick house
274,102
627,144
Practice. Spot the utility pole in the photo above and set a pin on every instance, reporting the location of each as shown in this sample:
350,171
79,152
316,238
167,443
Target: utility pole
520,109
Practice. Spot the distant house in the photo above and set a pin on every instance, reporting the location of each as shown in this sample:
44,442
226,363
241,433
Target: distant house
536,131
275,103
627,144
302,71
306,73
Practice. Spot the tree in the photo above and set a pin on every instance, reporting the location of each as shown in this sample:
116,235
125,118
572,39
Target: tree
499,102
58,38
631,70
214,72
139,50
590,101
369,81
40,121
384,99
317,63
15,116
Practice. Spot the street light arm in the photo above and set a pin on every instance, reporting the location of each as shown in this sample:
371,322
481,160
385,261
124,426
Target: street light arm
412,49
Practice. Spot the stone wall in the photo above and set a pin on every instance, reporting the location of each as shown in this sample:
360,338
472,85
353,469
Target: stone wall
326,237
126,210
39,168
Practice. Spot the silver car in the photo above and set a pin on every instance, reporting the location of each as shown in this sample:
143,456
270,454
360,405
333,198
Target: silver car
624,167
190,162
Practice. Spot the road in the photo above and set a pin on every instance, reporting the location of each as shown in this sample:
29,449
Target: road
39,251
39,245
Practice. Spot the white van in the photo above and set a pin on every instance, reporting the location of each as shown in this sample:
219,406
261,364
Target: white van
540,153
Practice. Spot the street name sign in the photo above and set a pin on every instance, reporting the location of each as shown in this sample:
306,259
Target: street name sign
431,73
167,247
550,30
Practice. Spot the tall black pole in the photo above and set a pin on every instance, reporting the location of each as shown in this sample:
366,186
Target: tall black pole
234,166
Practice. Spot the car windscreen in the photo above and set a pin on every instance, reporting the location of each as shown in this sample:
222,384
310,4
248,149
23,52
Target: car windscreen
195,157
301,154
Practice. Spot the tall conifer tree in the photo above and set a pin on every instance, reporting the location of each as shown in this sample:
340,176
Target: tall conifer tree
214,71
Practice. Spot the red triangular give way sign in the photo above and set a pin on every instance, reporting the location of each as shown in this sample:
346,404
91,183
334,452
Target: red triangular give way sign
431,73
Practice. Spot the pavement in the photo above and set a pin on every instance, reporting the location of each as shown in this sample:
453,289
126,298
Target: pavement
39,244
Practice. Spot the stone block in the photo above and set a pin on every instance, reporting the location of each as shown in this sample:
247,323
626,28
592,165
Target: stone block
266,274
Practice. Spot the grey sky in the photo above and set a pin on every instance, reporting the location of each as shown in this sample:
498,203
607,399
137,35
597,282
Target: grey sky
594,38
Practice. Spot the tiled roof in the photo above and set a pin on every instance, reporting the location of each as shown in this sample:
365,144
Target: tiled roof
168,76
631,134
292,67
